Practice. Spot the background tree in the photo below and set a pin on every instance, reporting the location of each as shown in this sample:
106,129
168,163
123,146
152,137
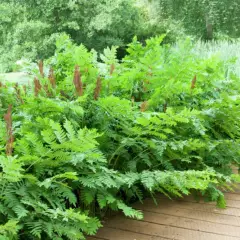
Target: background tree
95,23
28,28
206,18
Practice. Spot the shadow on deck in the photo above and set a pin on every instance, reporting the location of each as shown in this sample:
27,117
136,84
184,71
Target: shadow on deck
183,219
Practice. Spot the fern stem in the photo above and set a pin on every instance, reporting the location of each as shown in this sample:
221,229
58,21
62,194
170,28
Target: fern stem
113,155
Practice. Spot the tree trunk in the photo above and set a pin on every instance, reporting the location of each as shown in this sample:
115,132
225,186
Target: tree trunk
209,28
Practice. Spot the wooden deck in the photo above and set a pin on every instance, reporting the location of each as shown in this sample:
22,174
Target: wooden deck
183,219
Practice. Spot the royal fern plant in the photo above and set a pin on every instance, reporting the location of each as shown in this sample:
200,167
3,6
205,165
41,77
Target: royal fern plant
91,135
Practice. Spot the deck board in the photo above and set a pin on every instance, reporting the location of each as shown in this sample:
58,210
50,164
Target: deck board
112,233
181,219
165,231
194,214
204,207
232,203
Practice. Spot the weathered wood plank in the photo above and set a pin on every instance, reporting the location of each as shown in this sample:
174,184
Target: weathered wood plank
191,224
168,232
182,219
108,233
194,206
230,203
232,196
95,238
193,214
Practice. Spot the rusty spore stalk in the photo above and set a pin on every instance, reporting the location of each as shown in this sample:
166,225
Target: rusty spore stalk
77,81
98,88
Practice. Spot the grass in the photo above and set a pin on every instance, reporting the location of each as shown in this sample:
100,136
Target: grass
224,49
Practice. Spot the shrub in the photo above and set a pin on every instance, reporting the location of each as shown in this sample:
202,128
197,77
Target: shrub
90,136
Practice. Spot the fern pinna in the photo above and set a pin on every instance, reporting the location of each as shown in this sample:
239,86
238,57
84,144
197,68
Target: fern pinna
75,144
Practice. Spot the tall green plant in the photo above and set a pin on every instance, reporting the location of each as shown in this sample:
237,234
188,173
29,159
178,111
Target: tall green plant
86,137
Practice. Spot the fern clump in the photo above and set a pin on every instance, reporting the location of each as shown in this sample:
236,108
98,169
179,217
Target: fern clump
92,136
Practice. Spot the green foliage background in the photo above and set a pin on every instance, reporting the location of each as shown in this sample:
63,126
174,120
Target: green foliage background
28,29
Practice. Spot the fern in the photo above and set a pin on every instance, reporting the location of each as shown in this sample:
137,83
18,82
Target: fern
154,127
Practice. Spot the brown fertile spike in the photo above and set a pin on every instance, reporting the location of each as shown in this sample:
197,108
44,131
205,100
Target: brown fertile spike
40,66
144,106
76,75
51,78
10,140
37,86
98,88
77,81
194,82
80,92
112,68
